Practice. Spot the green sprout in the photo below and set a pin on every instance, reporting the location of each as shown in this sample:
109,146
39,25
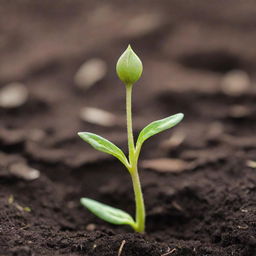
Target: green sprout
129,69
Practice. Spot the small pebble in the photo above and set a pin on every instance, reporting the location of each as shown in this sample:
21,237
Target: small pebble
244,210
91,227
71,204
91,72
23,171
239,111
144,24
215,130
36,135
165,165
235,83
13,95
98,116
174,141
251,163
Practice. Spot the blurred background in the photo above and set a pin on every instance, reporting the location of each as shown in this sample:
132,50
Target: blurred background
57,68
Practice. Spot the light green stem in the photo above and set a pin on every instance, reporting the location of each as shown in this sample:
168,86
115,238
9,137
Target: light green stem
140,206
129,120
133,160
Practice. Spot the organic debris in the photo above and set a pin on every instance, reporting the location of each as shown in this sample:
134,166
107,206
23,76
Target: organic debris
121,248
18,206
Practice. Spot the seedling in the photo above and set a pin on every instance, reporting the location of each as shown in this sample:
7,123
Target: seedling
129,69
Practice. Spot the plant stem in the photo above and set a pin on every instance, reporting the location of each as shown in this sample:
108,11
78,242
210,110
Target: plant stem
140,207
129,120
133,160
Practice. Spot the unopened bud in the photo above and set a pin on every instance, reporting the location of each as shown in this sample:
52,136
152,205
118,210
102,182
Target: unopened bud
129,67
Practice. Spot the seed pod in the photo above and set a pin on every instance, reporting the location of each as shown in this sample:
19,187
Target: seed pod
129,67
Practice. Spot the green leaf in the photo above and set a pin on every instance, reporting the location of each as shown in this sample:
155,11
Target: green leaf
158,126
104,145
107,213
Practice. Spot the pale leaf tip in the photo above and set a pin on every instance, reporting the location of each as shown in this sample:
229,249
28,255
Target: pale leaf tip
180,116
85,201
80,134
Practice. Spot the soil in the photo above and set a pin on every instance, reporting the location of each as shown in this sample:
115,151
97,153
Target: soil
188,48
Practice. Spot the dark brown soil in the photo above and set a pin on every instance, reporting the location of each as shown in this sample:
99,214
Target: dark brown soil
208,208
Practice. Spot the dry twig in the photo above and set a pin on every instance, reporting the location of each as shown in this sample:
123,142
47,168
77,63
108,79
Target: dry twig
169,253
121,248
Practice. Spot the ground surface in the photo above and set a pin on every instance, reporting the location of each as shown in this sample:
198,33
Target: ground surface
206,207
